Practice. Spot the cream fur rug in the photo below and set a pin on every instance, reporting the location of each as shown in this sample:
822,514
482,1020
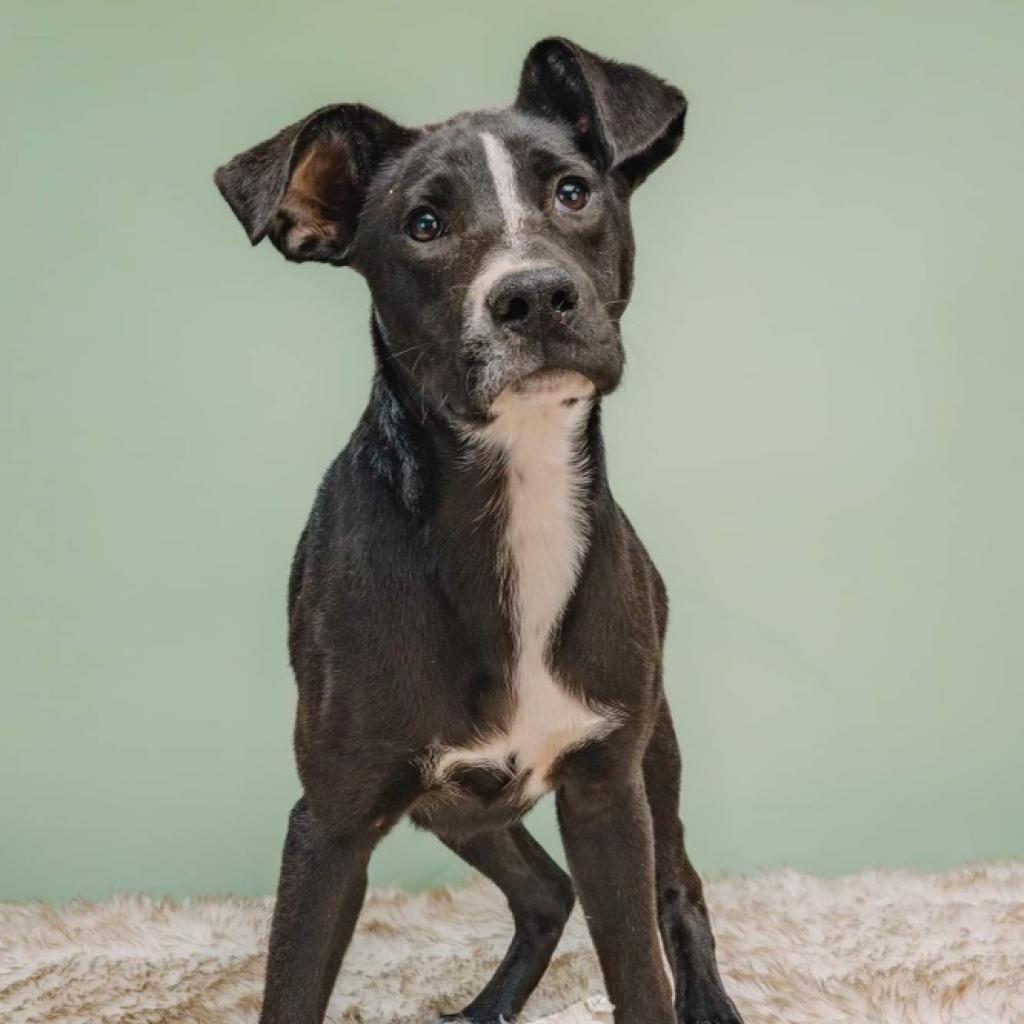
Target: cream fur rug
882,947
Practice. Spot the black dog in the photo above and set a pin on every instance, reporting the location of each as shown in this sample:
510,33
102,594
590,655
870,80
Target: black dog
473,621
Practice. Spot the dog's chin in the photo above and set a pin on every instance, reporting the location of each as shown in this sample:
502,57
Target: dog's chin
549,386
534,384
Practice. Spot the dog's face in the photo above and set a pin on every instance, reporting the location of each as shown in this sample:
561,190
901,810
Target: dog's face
495,251
497,246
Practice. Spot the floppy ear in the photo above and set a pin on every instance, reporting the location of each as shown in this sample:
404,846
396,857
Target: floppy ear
305,186
624,118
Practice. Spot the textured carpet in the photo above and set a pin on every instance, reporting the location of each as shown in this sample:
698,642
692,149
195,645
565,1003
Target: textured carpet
874,948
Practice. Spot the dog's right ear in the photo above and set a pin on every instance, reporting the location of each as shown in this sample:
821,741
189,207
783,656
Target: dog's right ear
305,186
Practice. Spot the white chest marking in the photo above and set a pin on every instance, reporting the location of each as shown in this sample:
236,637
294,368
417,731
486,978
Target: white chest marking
545,541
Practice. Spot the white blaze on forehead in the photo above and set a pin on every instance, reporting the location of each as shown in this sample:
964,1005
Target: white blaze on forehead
508,257
503,174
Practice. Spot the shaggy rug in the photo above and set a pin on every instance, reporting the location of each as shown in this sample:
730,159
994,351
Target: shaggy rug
883,947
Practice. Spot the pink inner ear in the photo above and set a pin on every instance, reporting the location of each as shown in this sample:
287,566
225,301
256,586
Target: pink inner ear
305,230
583,123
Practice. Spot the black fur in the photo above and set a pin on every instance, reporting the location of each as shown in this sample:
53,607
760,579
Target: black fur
400,634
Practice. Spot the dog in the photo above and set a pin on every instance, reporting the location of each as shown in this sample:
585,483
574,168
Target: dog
473,622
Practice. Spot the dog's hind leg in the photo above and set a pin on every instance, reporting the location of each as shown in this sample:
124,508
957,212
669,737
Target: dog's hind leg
319,896
682,913
540,896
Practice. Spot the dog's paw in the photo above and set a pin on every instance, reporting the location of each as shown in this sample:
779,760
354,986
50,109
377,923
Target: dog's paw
461,1018
721,1010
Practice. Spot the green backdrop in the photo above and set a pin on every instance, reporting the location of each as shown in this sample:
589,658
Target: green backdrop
820,436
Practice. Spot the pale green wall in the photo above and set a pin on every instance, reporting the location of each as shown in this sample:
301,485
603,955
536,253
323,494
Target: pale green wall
820,437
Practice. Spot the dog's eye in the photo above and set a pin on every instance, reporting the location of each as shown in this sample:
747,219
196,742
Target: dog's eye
424,225
572,194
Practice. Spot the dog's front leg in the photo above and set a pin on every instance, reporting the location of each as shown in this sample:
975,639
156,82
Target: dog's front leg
607,834
319,896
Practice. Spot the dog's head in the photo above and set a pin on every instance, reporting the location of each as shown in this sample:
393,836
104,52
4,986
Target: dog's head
497,245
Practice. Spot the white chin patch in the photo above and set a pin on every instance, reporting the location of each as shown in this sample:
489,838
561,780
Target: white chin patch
547,386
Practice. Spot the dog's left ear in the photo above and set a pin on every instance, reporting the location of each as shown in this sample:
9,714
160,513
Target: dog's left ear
304,188
623,118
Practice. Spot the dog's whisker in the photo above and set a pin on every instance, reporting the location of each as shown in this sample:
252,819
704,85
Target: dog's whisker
411,348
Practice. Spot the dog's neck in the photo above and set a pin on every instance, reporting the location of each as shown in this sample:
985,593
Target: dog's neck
421,451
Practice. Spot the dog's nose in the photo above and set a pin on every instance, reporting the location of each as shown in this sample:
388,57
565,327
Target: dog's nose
527,298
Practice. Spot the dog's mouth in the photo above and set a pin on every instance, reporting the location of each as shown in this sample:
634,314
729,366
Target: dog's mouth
536,379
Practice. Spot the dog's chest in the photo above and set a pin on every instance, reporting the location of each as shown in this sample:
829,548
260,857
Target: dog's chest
544,544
